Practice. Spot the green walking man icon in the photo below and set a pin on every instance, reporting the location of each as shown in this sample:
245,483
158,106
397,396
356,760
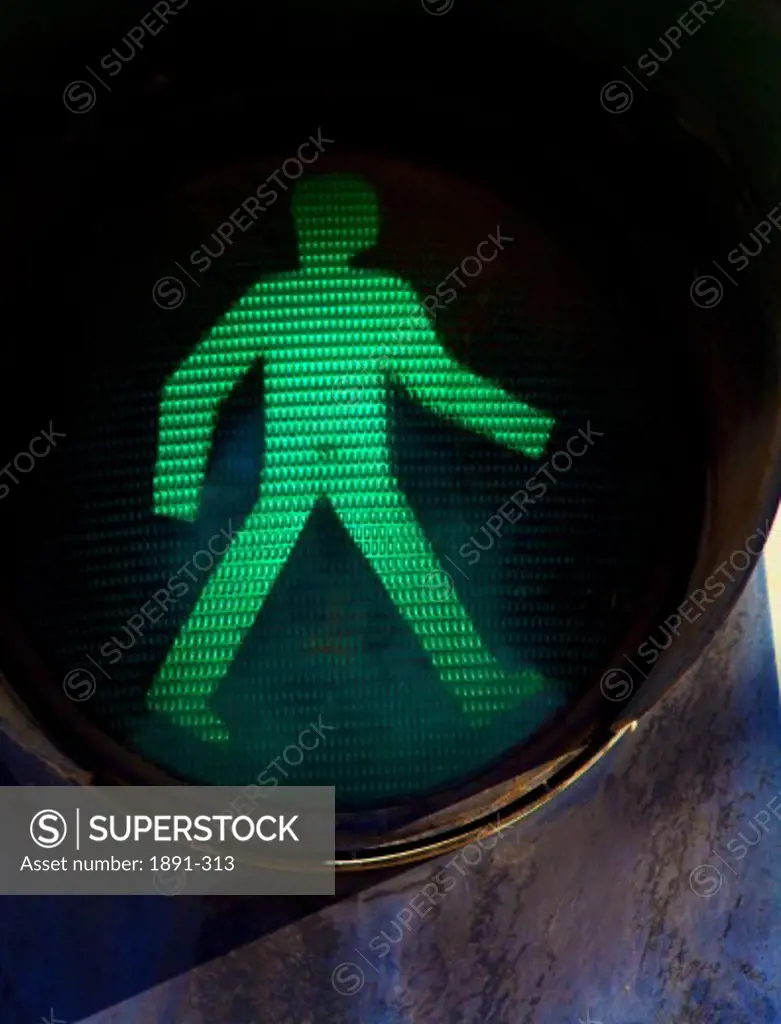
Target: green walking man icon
333,338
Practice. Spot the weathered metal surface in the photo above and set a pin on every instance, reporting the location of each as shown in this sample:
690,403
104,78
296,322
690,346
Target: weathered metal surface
586,911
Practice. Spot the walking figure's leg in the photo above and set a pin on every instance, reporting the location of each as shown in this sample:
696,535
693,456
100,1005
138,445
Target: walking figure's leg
231,600
393,542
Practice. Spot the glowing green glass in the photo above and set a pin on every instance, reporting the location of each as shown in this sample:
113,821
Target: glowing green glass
333,339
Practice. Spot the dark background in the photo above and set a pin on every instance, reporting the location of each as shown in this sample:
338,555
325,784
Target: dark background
589,324
639,203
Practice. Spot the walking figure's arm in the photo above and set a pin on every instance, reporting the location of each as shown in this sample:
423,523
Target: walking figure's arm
438,381
189,404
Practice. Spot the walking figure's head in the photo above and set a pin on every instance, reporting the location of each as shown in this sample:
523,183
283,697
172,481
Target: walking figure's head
336,216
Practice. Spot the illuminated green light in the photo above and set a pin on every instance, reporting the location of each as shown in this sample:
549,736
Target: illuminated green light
333,340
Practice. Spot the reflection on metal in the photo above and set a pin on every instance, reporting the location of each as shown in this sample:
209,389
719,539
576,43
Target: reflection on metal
773,570
19,726
519,810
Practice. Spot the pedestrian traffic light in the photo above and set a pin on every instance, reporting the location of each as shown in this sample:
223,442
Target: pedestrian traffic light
377,492
374,450
333,340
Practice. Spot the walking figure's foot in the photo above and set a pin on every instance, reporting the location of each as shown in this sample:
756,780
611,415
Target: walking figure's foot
482,700
199,720
209,727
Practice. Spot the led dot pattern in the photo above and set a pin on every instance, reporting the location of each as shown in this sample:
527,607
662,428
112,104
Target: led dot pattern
290,539
332,340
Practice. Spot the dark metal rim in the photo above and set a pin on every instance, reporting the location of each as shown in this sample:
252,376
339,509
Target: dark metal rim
585,750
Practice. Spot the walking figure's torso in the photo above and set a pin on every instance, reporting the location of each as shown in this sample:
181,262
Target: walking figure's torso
333,339
332,342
